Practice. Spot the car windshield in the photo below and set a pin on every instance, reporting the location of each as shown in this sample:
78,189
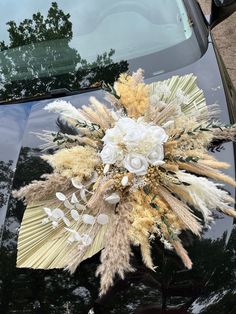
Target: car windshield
79,44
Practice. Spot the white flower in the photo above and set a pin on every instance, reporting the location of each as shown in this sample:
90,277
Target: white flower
158,134
134,143
136,163
156,157
125,125
65,108
110,154
113,135
134,136
114,198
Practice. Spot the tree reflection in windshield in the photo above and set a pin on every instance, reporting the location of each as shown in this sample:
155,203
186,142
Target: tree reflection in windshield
39,58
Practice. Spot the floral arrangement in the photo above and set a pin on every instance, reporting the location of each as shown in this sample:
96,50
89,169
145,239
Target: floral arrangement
137,170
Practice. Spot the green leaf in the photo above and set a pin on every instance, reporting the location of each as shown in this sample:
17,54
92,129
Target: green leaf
146,189
154,205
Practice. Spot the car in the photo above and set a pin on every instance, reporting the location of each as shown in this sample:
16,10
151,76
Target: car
67,50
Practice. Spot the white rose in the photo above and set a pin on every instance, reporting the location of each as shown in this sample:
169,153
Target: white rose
134,137
158,134
126,124
113,135
156,156
136,163
110,154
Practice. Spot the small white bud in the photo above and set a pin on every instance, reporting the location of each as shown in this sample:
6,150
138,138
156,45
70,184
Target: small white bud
106,169
125,180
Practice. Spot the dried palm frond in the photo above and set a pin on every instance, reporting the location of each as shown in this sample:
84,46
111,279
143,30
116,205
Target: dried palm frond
42,247
195,101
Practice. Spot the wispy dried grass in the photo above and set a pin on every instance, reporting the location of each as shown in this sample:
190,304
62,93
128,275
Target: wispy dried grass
202,193
183,254
44,189
225,134
115,257
98,195
188,219
76,162
206,171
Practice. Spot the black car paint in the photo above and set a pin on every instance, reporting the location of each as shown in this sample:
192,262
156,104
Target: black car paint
208,288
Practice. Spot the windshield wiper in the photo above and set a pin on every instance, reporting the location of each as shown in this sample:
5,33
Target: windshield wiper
54,93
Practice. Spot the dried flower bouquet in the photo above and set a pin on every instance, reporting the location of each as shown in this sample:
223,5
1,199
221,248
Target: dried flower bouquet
133,173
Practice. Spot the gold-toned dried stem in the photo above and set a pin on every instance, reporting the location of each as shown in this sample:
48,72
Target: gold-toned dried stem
206,171
229,211
214,164
170,167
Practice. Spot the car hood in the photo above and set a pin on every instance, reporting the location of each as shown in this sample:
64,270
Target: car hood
171,287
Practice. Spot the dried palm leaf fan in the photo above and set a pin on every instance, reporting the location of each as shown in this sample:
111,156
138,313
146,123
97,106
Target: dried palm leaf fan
130,175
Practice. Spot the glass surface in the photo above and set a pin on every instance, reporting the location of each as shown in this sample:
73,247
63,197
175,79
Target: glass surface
68,44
